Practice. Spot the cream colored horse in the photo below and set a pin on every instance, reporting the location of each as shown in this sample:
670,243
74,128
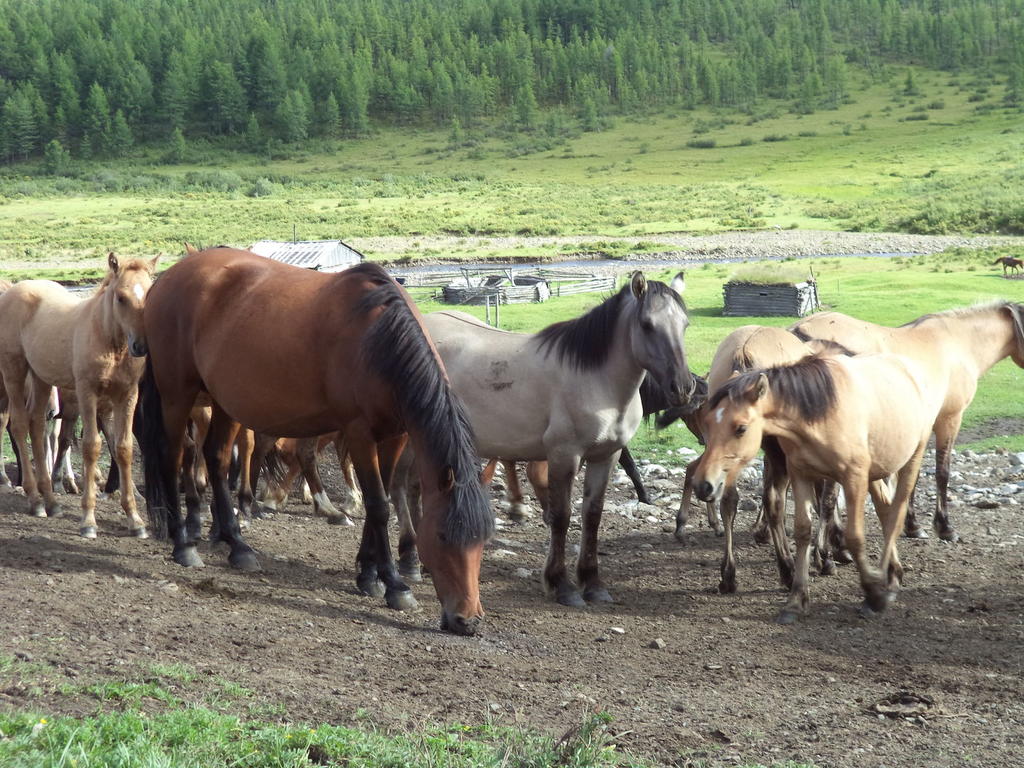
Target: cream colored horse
747,348
854,420
49,337
955,348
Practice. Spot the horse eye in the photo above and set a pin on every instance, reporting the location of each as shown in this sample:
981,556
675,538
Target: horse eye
647,326
120,299
741,430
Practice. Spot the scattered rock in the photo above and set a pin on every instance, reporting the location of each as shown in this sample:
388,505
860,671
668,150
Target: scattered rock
617,630
523,573
657,644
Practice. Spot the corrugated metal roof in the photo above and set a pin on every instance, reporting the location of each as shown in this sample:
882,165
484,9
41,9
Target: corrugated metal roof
323,255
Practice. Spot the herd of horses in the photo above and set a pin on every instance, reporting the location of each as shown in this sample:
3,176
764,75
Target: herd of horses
230,350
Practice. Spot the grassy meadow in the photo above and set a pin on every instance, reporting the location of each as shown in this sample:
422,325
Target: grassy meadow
947,160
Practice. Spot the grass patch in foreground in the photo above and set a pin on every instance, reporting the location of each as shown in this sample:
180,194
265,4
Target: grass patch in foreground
200,738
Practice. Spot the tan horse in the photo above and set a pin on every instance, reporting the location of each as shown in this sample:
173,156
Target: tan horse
853,420
4,411
748,348
956,348
49,337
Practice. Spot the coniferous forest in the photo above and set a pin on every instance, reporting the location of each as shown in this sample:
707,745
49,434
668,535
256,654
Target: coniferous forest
93,78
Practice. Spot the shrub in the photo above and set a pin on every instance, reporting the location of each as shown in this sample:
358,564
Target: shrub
701,143
775,137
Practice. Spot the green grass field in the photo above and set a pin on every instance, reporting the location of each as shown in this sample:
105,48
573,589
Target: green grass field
873,164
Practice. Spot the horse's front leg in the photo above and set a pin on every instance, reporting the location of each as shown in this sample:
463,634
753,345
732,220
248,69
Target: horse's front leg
595,483
305,451
374,463
217,453
122,449
803,503
773,502
26,423
405,496
683,513
352,497
537,474
91,443
630,468
561,471
945,436
245,442
728,506
517,509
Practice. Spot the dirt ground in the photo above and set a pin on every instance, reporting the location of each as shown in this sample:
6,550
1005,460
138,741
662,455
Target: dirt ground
729,686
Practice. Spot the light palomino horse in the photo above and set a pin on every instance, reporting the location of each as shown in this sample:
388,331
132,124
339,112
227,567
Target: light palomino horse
853,420
297,353
5,481
956,347
748,348
49,337
568,395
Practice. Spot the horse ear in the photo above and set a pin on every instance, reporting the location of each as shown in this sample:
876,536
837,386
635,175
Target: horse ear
152,264
758,389
638,284
112,262
679,283
447,480
190,249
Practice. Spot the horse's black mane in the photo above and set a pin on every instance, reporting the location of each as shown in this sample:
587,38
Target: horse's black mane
396,348
806,385
584,342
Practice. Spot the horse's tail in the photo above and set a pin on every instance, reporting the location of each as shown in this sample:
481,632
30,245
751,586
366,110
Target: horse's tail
274,466
397,348
155,453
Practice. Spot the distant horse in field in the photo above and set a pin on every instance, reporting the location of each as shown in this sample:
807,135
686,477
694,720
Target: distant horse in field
747,348
956,347
568,395
854,420
1008,262
296,353
49,337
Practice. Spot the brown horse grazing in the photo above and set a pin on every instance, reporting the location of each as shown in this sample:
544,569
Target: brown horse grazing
747,348
48,337
854,420
956,347
296,353
1015,265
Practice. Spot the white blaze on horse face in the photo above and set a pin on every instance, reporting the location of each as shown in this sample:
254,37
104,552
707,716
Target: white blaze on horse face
140,292
719,414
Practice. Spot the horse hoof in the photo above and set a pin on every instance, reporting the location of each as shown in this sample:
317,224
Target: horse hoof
828,568
680,535
339,520
917,532
372,587
245,561
762,536
139,533
401,600
727,586
842,556
597,595
518,512
87,531
787,616
570,597
410,573
37,510
54,510
950,535
187,557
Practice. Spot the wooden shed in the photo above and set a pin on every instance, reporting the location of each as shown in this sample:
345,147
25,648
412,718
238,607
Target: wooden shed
747,299
321,255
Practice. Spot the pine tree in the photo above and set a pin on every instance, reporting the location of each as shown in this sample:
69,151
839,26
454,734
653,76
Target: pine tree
121,138
292,118
253,135
526,108
330,118
96,119
56,159
178,149
225,99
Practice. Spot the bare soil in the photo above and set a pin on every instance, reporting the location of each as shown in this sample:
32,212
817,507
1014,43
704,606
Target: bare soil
729,686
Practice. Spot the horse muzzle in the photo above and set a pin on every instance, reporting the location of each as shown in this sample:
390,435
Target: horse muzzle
706,491
137,347
461,625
